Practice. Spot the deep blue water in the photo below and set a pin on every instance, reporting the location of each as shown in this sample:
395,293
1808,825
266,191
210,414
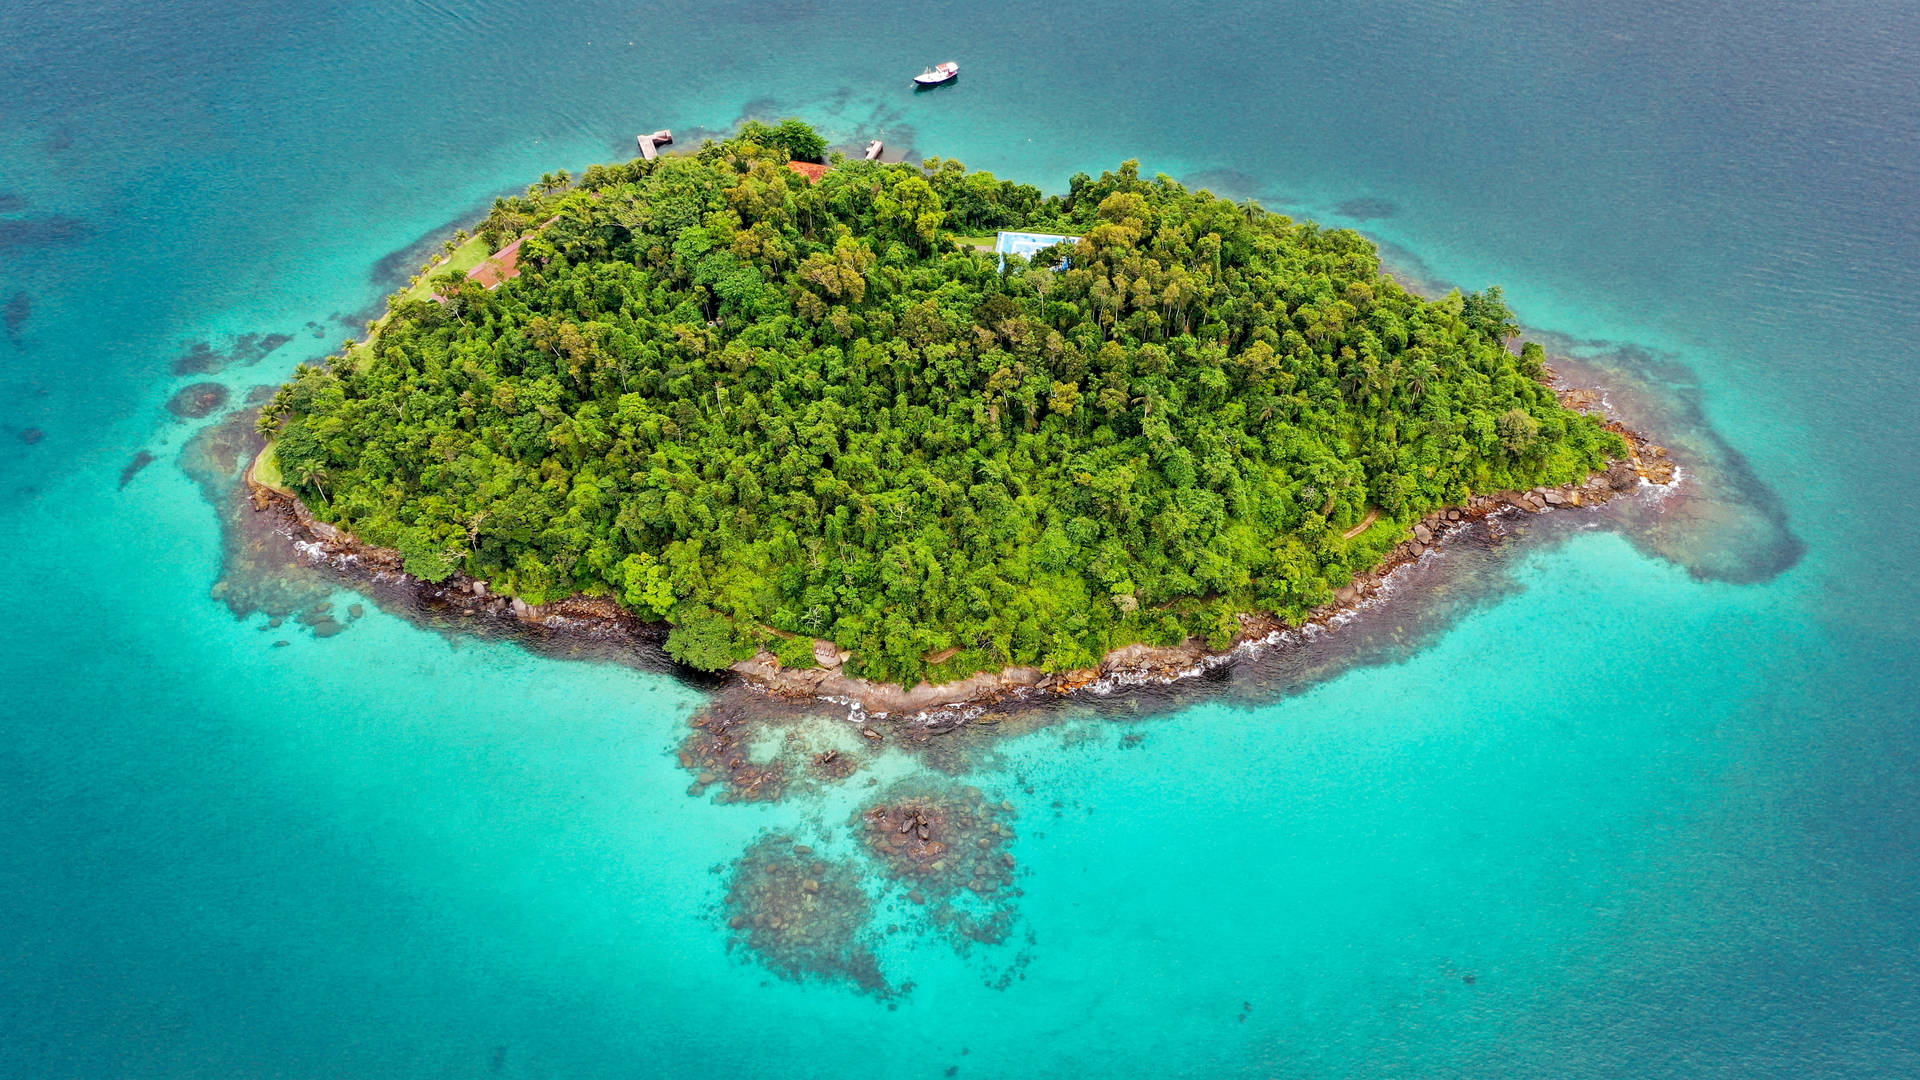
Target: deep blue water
1608,806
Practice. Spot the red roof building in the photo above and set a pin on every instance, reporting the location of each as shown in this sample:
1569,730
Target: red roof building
503,265
808,169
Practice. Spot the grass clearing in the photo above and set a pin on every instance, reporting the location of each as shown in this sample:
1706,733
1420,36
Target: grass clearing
464,258
266,469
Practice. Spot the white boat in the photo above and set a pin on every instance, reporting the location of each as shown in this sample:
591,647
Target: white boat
938,74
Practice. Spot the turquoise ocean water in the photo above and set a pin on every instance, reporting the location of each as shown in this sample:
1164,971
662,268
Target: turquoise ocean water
1613,799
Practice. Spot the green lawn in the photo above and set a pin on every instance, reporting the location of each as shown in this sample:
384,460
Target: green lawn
464,258
266,469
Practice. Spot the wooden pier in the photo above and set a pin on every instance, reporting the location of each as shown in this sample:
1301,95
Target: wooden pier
650,144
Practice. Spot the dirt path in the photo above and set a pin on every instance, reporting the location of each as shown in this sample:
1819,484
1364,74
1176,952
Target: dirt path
1365,524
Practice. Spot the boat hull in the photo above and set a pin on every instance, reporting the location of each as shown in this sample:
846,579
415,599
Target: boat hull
937,75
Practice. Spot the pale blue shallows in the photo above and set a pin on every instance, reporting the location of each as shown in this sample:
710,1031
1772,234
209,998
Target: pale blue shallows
1667,826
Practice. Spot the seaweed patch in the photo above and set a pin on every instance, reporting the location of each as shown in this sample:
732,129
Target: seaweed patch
1366,209
42,232
201,358
18,310
140,461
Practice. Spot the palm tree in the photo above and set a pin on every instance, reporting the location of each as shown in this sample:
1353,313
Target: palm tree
315,477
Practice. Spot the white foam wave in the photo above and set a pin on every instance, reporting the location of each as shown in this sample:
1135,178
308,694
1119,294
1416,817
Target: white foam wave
1659,493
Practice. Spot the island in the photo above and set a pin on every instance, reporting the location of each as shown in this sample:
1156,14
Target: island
811,418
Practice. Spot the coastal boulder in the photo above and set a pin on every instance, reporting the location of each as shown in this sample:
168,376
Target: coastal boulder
1142,657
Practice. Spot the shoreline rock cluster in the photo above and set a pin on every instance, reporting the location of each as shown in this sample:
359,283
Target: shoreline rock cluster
827,680
320,542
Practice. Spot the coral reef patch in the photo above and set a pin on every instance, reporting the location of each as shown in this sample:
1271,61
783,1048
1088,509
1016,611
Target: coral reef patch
198,401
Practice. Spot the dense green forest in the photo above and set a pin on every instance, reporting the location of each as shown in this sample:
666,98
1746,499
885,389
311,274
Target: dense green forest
765,410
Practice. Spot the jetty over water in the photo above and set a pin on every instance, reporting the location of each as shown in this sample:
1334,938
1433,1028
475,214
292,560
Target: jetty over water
650,144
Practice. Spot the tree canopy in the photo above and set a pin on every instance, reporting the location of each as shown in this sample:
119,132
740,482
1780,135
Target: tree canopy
766,410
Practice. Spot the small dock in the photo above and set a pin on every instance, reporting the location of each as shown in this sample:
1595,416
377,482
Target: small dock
874,150
650,144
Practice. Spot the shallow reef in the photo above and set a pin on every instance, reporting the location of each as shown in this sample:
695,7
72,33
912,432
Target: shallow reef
946,844
893,842
803,915
928,858
198,401
260,573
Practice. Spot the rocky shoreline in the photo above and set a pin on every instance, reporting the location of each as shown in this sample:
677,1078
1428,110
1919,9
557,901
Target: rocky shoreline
319,542
1141,663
